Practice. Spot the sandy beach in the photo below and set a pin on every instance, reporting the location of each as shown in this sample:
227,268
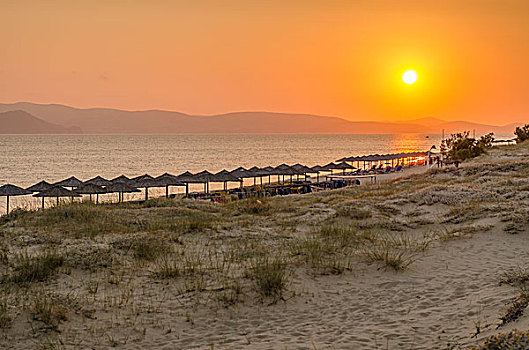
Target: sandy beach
415,262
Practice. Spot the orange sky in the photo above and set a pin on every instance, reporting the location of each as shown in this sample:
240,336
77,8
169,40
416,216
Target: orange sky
341,58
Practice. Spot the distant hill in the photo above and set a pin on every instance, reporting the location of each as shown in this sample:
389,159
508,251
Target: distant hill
115,121
21,122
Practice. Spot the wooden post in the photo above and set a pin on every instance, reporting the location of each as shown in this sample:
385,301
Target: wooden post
97,198
146,193
7,204
167,191
187,188
42,202
57,201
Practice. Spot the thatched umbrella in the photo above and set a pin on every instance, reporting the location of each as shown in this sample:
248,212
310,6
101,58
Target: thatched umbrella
329,167
69,182
256,172
225,176
269,171
40,187
316,169
99,181
187,178
284,169
56,191
302,169
145,181
121,179
90,189
166,180
344,166
241,172
120,188
205,177
11,191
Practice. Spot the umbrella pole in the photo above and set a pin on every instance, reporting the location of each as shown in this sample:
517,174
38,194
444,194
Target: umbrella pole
7,204
90,197
187,189
97,198
57,201
42,202
146,193
166,191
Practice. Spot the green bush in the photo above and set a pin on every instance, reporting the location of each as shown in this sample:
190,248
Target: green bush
459,147
522,133
514,340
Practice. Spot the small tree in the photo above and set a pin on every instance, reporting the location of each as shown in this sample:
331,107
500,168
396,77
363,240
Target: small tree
522,133
459,147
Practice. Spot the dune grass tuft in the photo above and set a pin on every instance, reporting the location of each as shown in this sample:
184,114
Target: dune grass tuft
35,268
270,276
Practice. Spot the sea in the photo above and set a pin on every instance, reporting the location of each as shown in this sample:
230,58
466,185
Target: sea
28,159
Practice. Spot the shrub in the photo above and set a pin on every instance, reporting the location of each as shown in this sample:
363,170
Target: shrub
351,210
522,133
36,268
149,248
514,340
459,147
165,268
270,275
5,318
49,309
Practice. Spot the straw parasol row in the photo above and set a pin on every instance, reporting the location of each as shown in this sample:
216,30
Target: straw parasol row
123,184
382,157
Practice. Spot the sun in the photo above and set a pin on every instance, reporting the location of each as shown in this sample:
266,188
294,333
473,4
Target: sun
409,77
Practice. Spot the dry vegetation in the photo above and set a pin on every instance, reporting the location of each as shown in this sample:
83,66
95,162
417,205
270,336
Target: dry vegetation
83,263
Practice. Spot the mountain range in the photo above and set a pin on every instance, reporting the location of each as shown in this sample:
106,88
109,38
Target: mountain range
32,118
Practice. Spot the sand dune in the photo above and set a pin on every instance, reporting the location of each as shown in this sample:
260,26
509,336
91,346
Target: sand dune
413,263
